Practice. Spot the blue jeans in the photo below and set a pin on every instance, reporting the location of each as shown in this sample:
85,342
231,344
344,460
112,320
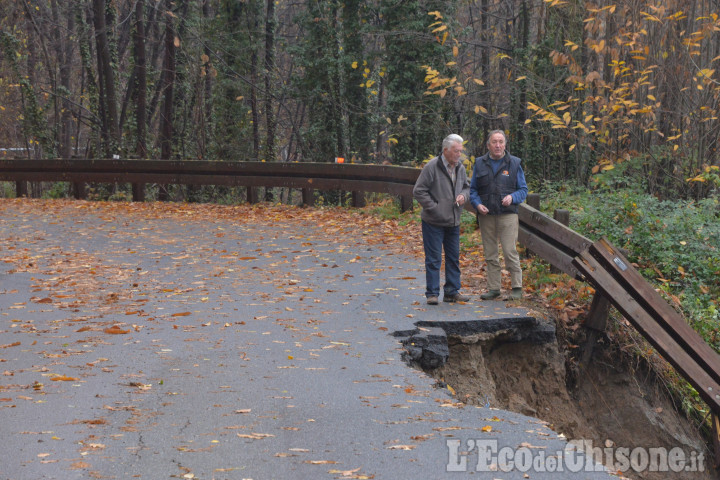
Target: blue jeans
435,239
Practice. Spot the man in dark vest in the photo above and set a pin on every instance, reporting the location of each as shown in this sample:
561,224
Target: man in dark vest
497,187
442,189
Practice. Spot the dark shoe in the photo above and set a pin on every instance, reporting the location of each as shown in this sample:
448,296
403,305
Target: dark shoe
516,293
432,300
490,295
455,298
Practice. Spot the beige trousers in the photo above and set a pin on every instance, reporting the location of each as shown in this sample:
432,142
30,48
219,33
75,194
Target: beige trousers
502,229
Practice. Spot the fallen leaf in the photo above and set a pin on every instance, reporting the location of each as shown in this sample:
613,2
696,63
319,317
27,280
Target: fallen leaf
255,436
527,445
344,473
63,378
115,330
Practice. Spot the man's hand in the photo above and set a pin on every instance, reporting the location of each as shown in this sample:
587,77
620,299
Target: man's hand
460,200
507,200
482,209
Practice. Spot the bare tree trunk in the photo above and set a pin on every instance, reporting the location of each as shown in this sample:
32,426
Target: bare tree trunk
207,83
66,117
168,80
485,52
254,103
269,74
524,40
32,81
106,81
61,137
344,127
167,86
141,80
382,148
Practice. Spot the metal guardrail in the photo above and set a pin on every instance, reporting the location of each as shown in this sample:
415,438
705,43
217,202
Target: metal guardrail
598,263
306,176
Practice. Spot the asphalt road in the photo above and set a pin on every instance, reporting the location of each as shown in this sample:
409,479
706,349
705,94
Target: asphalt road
226,343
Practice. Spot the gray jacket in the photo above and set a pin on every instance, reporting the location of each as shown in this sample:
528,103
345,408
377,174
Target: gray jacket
435,193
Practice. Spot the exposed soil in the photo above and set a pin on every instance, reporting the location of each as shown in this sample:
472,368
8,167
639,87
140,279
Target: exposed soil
605,403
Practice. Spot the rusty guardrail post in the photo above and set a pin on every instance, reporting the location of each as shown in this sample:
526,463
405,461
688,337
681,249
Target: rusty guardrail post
21,189
358,199
308,197
78,190
138,192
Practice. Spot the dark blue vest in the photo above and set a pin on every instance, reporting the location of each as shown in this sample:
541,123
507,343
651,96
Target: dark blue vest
493,187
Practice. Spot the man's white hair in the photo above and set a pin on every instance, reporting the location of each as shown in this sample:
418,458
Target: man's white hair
450,139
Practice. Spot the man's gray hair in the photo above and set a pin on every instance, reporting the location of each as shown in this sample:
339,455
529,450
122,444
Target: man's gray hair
493,133
450,139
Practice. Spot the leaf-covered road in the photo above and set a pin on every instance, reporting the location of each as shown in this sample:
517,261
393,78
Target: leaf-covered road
197,341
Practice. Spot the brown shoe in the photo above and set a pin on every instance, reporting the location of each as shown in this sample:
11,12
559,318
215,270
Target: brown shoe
455,298
432,300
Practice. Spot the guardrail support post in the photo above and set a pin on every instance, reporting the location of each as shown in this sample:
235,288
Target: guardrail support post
595,322
21,189
308,199
533,199
406,203
358,199
252,195
78,190
138,192
562,216
598,314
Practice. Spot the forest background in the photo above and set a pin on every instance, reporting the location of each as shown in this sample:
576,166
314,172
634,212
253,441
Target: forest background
613,106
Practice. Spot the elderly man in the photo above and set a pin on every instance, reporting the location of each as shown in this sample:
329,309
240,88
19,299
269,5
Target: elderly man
497,187
442,189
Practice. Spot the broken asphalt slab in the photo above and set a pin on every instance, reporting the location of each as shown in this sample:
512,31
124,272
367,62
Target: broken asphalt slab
165,341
